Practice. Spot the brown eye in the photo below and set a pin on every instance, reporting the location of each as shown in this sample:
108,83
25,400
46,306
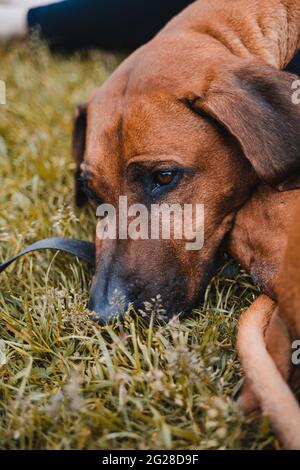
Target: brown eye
163,181
164,178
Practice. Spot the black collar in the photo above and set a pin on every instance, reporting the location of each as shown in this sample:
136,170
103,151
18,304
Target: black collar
294,65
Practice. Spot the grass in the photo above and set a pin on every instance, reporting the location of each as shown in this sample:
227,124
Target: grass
65,382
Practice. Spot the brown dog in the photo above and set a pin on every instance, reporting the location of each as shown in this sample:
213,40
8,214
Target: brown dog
199,114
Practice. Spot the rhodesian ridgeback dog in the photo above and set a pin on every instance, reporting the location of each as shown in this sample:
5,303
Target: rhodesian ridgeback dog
202,113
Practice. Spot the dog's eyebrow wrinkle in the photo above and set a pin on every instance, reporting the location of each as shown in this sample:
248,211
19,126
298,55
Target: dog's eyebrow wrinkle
220,39
148,158
235,45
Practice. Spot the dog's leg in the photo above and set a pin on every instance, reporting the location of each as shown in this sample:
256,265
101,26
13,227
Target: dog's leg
248,401
275,397
278,345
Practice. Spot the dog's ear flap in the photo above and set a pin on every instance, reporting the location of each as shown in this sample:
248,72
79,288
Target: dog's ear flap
254,103
78,149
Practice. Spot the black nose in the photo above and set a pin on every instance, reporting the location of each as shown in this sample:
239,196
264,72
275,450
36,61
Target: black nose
109,299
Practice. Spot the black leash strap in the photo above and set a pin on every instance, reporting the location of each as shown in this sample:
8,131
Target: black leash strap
83,250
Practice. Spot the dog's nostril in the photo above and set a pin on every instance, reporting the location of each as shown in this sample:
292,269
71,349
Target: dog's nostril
107,308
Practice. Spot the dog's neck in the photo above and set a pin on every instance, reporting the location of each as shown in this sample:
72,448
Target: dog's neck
268,30
260,252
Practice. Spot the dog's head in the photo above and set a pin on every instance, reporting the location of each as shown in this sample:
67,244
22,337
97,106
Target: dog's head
181,121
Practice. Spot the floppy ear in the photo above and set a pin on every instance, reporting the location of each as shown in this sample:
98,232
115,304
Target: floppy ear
254,103
78,147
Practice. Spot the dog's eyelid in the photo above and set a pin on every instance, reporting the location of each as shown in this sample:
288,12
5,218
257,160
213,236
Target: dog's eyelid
84,175
89,192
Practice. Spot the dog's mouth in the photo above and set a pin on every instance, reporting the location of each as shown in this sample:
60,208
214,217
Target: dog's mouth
112,298
146,310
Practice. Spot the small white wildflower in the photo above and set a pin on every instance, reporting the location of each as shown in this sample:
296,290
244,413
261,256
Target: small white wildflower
122,395
211,424
212,443
4,235
212,413
178,401
3,356
53,408
72,390
221,433
219,403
